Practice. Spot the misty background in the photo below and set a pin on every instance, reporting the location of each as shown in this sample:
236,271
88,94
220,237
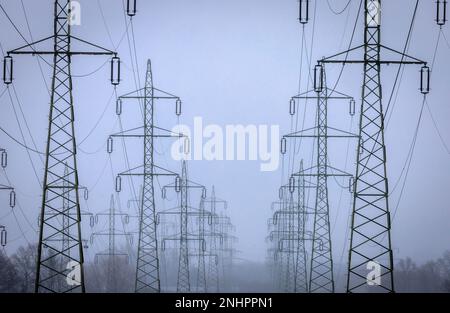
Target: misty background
232,62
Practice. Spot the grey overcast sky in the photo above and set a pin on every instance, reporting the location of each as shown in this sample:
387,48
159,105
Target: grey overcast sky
232,62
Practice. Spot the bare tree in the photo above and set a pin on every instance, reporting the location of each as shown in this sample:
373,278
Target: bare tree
8,274
24,261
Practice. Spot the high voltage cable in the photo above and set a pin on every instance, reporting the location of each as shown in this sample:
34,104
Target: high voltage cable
441,138
338,12
19,32
400,67
349,46
413,144
32,39
23,138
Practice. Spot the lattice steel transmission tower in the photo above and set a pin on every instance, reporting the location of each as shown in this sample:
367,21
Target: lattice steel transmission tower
60,150
216,240
370,242
205,235
183,185
112,233
321,277
291,220
290,235
227,252
147,267
201,255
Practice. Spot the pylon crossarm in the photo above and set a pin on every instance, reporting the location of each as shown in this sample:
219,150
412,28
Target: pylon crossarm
171,133
410,59
163,244
137,94
164,172
295,187
4,187
178,213
303,134
276,233
289,213
17,50
330,59
312,94
20,50
346,133
106,233
111,234
338,173
403,55
128,133
298,133
104,50
107,214
192,184
167,94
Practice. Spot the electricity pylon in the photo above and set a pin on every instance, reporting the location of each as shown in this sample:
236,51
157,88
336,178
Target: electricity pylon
227,252
147,267
289,217
278,234
321,277
183,185
301,272
111,233
61,150
216,240
201,266
293,215
205,235
370,241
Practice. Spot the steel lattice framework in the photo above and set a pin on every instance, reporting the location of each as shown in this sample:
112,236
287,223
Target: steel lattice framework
184,211
112,253
321,278
301,274
213,262
183,282
370,242
59,222
291,235
147,267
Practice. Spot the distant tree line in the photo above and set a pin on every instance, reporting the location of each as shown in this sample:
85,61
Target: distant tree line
108,274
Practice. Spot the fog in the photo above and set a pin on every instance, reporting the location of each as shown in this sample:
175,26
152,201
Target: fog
232,62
